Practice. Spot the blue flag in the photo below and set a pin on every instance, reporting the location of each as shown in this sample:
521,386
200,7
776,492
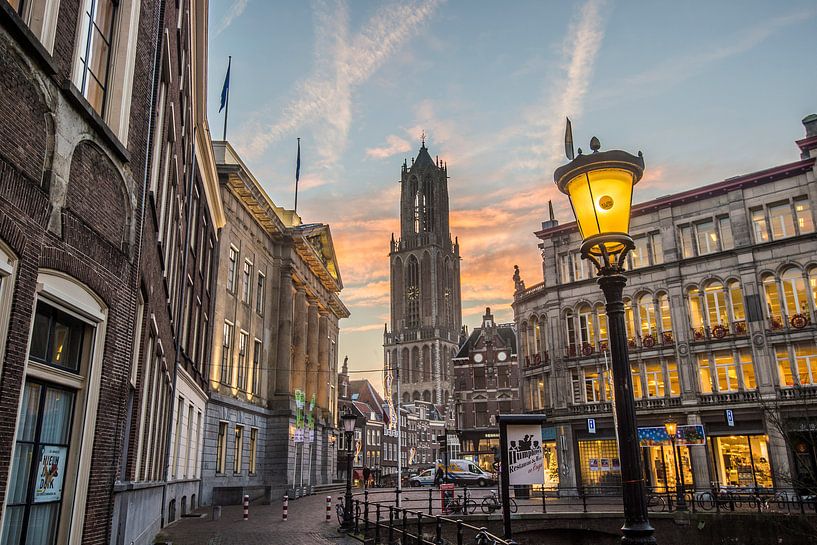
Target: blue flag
225,91
298,163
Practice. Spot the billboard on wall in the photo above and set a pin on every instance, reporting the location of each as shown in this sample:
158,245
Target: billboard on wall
525,458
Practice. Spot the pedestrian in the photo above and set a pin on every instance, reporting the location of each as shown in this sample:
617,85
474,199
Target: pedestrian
438,475
366,474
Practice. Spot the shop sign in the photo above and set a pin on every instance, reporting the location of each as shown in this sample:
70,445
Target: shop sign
591,425
685,436
730,418
299,416
525,456
48,486
549,433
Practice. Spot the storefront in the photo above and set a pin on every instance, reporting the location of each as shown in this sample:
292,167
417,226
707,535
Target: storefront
551,460
599,465
480,447
658,458
741,461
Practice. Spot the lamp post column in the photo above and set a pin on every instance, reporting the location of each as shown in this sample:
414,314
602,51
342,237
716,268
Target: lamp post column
680,492
347,508
637,528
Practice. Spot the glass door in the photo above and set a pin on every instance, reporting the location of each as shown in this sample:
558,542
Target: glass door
37,477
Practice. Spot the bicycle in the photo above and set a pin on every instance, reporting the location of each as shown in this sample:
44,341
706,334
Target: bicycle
656,502
458,504
491,503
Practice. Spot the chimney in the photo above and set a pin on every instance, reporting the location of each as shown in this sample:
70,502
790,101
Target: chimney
808,145
810,123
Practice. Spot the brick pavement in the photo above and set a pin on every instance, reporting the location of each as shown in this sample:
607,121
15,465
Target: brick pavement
306,526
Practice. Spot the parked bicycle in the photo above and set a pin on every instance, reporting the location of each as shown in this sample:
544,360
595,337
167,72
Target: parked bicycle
460,504
492,503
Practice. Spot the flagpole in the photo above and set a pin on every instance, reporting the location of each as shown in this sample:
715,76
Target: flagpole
227,102
297,175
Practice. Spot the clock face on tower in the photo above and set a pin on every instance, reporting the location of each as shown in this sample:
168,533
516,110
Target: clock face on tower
413,293
502,356
478,358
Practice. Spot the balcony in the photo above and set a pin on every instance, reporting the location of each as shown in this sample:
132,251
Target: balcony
537,360
591,408
654,341
725,398
784,322
719,332
797,392
658,403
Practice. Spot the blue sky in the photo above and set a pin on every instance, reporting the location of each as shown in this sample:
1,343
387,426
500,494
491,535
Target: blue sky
707,90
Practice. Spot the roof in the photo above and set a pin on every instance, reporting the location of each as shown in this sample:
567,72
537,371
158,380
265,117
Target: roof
737,182
367,394
423,159
506,332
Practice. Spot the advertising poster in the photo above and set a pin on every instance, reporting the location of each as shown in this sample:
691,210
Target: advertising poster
525,457
299,416
310,421
605,464
594,464
685,435
48,486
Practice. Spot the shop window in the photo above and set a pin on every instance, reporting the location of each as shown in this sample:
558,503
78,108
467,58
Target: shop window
802,209
784,366
655,379
672,376
805,355
600,465
660,466
742,461
795,296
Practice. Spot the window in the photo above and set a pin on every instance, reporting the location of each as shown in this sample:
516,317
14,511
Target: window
657,248
781,221
57,338
246,288
736,300
242,360
802,209
637,388
587,332
646,313
715,301
795,296
226,353
784,366
256,367
571,333
640,255
565,268
725,229
748,369
95,54
705,374
629,318
805,356
592,386
174,468
686,241
259,293
601,314
221,449
773,306
253,448
655,379
238,448
706,237
231,265
726,371
580,271
672,376
663,309
759,227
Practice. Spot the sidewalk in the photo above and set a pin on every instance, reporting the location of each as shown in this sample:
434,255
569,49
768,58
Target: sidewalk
306,526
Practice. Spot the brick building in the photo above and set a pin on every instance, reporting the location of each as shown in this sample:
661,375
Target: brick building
160,474
720,313
275,334
73,152
486,383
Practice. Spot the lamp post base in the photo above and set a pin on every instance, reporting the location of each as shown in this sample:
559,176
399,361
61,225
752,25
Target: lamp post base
638,534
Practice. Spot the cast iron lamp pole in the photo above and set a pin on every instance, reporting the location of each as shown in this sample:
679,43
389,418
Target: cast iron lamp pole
600,187
671,426
349,421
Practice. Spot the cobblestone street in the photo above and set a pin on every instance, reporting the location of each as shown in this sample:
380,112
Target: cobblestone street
306,526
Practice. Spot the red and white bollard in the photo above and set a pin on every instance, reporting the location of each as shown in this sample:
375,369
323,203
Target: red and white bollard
328,507
286,506
246,507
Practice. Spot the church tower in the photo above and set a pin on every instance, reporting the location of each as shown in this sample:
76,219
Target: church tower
426,309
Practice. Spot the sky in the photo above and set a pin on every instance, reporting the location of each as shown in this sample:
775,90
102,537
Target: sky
707,90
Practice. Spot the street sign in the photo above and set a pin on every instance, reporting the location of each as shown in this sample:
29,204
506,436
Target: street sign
730,418
591,425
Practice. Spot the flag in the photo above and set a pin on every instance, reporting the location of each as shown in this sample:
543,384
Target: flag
225,91
298,163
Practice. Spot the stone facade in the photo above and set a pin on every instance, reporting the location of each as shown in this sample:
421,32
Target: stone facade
426,308
275,331
486,383
720,313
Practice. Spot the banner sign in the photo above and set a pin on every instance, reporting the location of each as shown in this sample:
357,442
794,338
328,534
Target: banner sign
310,421
686,435
525,457
299,416
48,486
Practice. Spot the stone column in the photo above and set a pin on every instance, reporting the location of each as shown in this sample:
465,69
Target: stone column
778,453
323,364
283,367
312,352
566,451
299,323
700,466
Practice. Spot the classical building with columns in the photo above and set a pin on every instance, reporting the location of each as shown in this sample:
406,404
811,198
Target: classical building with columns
273,373
720,315
426,309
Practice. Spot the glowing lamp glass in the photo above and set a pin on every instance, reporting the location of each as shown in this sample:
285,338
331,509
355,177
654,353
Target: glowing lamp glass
349,421
601,201
671,427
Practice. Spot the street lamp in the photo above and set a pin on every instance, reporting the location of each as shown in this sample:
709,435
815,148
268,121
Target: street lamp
349,421
671,426
600,187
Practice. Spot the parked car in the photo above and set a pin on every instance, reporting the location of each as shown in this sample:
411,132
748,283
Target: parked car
424,478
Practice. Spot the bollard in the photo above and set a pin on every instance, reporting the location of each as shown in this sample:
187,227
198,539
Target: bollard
216,512
286,506
328,507
430,502
246,507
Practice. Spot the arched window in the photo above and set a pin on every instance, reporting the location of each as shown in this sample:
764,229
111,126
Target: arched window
715,301
406,397
629,318
696,315
736,300
601,315
427,364
428,213
795,296
773,307
427,396
812,280
523,341
666,316
416,368
537,335
646,315
586,328
570,330
416,396
412,293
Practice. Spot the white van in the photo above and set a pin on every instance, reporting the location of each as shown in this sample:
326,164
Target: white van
466,472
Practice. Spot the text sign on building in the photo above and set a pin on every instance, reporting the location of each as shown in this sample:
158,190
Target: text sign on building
591,425
730,418
51,468
525,457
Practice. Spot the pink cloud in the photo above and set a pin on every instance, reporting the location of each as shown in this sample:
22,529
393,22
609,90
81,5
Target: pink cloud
394,145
